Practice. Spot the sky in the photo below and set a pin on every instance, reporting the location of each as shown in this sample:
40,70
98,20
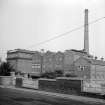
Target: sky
25,23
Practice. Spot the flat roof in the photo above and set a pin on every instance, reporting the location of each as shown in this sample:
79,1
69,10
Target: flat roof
21,50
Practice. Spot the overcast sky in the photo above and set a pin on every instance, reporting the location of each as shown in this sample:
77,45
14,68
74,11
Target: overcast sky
24,23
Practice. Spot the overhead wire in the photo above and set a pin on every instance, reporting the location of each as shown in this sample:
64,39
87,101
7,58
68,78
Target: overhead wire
66,33
60,35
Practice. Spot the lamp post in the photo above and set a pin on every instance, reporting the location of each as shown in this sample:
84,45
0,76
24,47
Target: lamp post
42,53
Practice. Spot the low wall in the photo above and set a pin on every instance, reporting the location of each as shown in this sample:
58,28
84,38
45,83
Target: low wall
48,84
62,85
72,85
6,80
30,83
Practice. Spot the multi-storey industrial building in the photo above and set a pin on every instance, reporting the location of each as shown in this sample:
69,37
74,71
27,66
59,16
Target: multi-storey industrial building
78,62
71,61
90,68
20,59
35,62
48,61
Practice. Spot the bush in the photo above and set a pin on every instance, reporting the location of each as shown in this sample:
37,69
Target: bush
5,69
59,73
34,77
52,75
70,75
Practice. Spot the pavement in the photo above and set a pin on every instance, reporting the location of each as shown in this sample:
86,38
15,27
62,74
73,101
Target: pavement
64,96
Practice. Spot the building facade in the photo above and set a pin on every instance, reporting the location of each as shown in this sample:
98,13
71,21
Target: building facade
71,61
48,61
21,60
90,69
70,56
52,61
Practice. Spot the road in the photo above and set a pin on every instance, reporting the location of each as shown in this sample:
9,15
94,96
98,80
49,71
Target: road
18,97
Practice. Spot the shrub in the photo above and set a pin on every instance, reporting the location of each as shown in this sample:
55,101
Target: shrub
59,73
50,75
5,69
34,77
70,75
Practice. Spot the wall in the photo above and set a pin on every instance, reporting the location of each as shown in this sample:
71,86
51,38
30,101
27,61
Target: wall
98,73
24,65
6,80
59,61
36,63
62,85
48,61
82,68
30,62
54,61
21,61
68,61
51,61
25,55
48,85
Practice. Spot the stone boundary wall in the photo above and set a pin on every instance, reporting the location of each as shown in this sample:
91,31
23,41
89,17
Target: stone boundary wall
62,85
6,80
48,85
30,83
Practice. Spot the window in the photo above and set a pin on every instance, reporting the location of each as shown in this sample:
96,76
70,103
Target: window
81,68
36,66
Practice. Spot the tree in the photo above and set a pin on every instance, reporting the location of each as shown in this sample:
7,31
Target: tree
5,69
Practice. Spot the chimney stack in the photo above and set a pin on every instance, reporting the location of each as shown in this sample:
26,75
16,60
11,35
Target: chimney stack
86,36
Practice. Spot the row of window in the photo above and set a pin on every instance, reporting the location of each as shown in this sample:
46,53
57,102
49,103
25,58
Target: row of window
99,75
58,59
82,68
37,66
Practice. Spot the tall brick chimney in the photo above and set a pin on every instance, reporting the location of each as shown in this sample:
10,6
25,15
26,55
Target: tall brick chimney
86,35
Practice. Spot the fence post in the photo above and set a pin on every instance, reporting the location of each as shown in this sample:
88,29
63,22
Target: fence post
13,78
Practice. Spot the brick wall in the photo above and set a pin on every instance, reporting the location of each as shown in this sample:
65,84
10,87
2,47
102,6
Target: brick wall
24,65
6,80
48,84
82,68
98,72
62,85
21,60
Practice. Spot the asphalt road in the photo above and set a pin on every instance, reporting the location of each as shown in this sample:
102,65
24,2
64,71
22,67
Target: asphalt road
19,97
